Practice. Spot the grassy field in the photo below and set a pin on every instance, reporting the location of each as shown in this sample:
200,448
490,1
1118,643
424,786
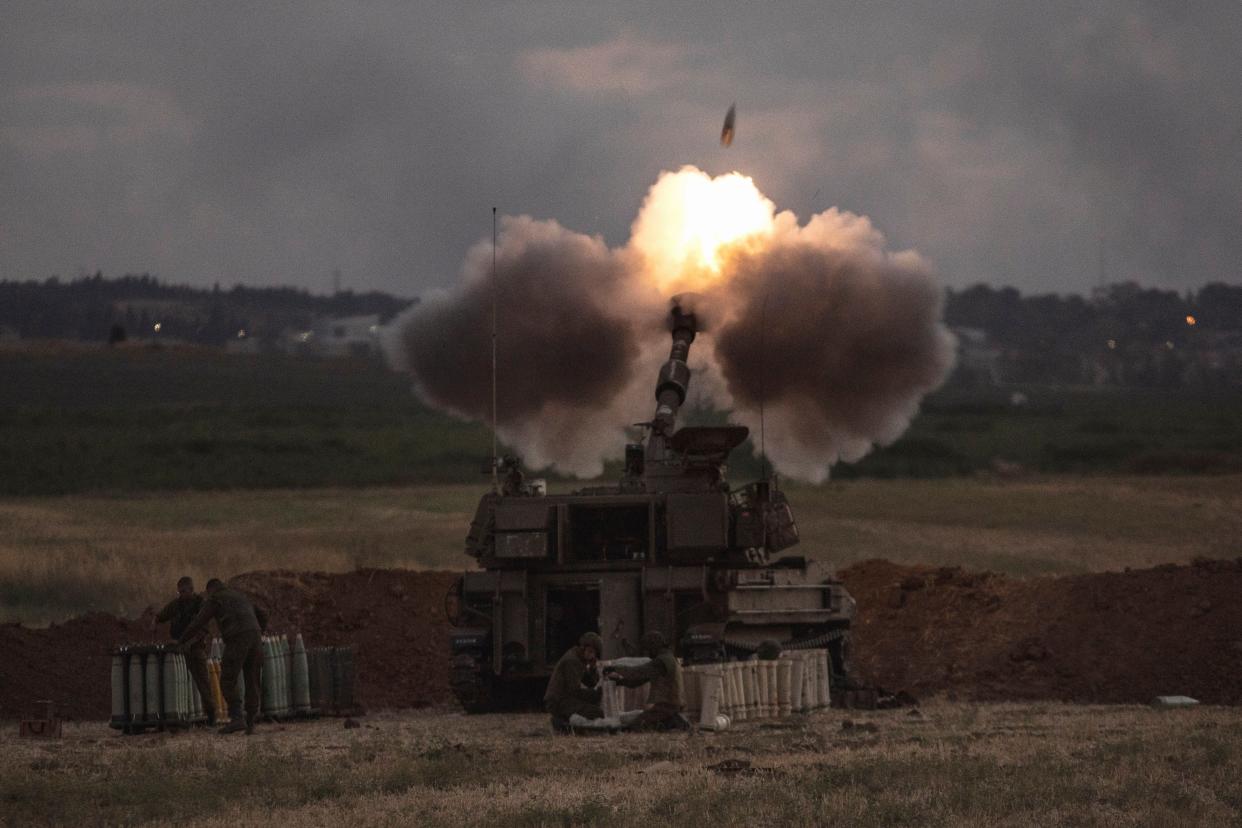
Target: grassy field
142,420
951,765
76,419
60,556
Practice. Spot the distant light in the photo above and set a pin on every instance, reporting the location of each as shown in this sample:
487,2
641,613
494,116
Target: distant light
375,329
1190,320
1112,344
156,327
305,336
241,334
1168,344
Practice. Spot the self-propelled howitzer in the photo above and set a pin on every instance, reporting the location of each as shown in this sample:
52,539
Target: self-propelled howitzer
670,547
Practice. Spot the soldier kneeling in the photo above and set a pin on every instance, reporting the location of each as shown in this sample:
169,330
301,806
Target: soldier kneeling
667,696
574,686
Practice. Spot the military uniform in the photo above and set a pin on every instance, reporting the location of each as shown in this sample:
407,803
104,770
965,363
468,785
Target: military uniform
241,624
667,696
573,688
181,611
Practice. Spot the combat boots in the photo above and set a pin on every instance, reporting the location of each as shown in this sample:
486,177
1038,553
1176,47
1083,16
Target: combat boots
249,724
236,723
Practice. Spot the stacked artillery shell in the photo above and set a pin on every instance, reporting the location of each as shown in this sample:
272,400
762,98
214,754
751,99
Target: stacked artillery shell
330,680
783,669
196,701
151,680
119,692
822,678
319,679
774,706
750,675
736,691
761,690
301,677
811,695
267,677
169,686
282,664
795,684
151,688
279,693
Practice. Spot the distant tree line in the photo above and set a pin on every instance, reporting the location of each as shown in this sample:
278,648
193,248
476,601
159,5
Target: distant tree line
94,308
1122,334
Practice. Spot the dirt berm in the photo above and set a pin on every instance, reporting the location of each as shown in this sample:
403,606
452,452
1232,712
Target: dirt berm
1108,637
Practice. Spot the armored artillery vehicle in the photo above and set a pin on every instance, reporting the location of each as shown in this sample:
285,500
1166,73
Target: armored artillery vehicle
670,547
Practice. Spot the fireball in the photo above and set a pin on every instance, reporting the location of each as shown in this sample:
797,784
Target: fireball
691,220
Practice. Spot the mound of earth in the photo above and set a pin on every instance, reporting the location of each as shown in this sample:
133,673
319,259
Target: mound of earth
1106,637
1110,637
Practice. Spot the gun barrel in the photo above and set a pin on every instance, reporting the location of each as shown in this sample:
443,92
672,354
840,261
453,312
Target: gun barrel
672,385
674,378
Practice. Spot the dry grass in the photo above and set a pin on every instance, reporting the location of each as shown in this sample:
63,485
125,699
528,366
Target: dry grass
953,765
65,555
1052,525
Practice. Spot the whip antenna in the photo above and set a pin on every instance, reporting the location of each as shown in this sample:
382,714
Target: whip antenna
763,352
495,470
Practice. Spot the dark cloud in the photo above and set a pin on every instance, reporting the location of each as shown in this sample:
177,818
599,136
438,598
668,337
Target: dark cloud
273,143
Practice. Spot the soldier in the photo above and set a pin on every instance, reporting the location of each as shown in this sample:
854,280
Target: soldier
241,624
180,612
573,687
667,696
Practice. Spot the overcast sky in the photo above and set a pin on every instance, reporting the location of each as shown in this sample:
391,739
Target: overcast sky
270,143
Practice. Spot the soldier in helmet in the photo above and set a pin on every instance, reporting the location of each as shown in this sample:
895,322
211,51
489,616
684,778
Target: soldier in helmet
667,696
178,614
241,626
574,686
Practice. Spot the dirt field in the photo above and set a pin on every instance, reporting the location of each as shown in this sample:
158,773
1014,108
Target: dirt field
959,765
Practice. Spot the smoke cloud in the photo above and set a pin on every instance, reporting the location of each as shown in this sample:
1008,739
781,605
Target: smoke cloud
567,326
836,338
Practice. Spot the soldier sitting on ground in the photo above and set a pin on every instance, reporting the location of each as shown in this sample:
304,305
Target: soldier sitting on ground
574,686
241,626
181,612
667,696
